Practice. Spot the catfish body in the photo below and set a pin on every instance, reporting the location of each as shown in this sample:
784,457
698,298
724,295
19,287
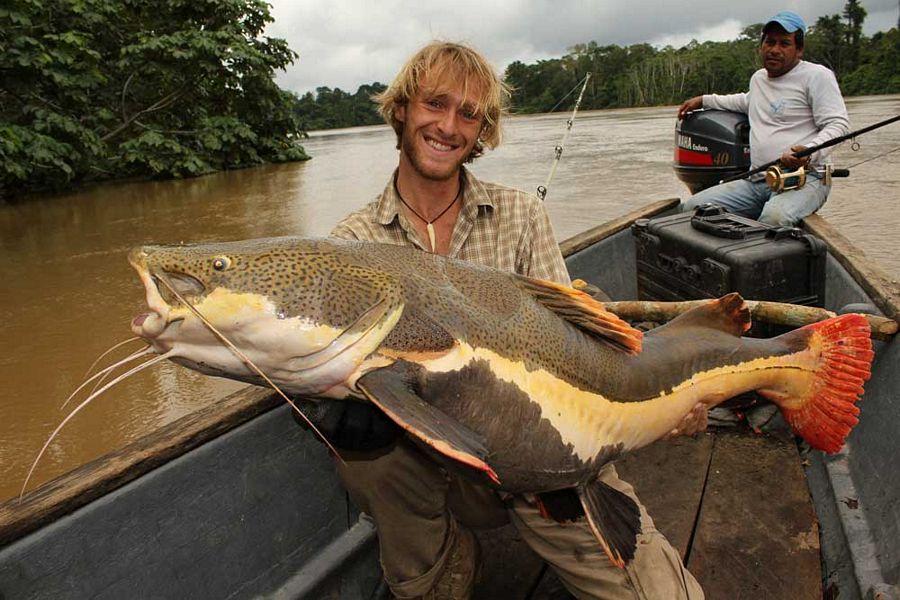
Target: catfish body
532,385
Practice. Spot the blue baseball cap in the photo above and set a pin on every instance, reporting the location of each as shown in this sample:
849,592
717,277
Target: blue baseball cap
790,21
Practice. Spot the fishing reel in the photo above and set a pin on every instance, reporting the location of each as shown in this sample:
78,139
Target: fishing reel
780,181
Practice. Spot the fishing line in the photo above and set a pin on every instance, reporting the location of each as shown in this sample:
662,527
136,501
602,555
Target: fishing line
250,364
570,92
873,158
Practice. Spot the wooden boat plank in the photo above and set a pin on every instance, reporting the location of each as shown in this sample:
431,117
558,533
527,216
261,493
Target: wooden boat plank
669,477
236,520
757,535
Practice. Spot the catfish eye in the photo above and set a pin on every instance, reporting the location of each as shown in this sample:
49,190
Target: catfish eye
220,263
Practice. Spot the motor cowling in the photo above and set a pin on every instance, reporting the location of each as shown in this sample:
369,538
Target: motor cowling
711,145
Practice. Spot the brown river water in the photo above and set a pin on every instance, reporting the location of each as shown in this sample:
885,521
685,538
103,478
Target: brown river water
68,294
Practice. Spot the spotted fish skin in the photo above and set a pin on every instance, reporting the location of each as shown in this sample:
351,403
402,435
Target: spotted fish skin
530,385
552,401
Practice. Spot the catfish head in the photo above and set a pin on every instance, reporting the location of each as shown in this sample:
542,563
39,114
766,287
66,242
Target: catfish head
304,312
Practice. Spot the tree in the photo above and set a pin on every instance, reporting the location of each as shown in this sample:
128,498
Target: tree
753,32
93,89
855,15
330,109
879,70
825,43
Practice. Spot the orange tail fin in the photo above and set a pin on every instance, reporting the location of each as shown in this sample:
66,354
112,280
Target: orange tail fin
825,416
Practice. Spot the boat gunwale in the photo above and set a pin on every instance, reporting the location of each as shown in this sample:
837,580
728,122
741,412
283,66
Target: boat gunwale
873,279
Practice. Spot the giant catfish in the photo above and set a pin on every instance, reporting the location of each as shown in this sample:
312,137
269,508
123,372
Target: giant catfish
529,385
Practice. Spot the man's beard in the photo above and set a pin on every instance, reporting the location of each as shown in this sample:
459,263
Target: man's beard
411,150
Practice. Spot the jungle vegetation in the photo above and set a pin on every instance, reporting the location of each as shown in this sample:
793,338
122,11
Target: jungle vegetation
99,89
332,109
641,75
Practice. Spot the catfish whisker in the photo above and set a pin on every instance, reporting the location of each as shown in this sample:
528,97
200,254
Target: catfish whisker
103,373
99,358
128,373
142,352
250,364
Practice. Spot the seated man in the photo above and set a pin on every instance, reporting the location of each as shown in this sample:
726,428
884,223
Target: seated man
792,104
445,107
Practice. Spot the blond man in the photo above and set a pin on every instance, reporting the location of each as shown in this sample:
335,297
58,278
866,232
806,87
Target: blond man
446,106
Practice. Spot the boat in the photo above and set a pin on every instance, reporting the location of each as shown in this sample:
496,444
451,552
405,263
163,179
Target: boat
236,501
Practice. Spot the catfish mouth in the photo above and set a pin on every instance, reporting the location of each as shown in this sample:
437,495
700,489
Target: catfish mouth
161,300
188,287
165,292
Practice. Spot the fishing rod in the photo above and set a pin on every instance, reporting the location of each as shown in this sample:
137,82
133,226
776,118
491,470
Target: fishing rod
808,151
542,189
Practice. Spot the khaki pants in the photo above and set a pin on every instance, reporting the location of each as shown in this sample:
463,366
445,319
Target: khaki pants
416,504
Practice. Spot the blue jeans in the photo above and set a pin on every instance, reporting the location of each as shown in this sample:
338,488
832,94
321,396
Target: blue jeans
755,200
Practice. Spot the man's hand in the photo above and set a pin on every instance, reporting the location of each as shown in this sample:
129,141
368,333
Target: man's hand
695,103
789,161
693,422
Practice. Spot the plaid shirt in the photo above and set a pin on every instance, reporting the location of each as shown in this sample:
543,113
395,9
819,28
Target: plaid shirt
497,226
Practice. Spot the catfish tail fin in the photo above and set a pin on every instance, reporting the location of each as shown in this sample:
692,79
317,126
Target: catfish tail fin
827,411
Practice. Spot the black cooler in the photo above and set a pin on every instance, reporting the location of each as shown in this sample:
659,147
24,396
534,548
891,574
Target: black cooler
710,253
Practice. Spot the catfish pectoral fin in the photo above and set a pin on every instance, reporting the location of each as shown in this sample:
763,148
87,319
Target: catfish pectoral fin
614,518
389,390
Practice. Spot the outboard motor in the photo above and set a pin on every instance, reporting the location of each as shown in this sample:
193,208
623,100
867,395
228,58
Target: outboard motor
711,145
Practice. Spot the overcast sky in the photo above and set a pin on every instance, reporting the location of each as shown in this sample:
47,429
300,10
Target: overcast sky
346,43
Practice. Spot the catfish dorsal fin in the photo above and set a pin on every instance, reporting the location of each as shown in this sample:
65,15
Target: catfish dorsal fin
729,314
584,312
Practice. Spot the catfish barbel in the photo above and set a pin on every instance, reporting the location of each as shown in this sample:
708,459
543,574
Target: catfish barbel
528,385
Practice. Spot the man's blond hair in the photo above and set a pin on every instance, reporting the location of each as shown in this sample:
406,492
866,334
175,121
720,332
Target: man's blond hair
442,64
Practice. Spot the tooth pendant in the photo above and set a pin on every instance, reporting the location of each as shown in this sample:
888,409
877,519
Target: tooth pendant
430,228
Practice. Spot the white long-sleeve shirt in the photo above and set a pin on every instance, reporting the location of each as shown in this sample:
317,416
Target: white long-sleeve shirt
802,107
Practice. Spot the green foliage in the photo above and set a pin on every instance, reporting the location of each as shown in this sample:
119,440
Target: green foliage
825,43
855,15
879,70
641,75
331,109
637,75
93,89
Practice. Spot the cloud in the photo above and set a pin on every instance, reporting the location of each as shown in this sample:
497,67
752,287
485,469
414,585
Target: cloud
346,43
727,30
